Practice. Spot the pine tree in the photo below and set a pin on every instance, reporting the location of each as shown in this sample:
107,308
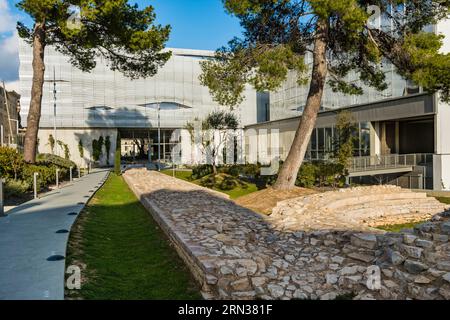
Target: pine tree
124,35
278,34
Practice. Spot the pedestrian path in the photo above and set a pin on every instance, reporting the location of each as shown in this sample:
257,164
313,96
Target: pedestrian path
33,240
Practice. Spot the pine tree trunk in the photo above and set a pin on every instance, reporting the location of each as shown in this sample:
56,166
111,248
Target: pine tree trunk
34,113
289,170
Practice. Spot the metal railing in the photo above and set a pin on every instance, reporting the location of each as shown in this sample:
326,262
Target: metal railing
391,161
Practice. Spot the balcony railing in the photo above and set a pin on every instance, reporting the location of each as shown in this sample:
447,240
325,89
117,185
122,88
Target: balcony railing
381,162
391,161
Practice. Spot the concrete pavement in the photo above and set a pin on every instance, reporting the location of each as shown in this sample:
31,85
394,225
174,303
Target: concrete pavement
33,240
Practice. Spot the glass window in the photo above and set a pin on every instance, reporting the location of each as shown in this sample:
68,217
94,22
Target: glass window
321,138
328,140
314,140
365,139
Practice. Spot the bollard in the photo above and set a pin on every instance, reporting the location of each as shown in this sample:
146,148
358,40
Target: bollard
71,179
2,210
35,175
90,167
79,172
57,178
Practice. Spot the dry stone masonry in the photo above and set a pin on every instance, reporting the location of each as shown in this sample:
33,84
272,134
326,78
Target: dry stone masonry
237,254
360,208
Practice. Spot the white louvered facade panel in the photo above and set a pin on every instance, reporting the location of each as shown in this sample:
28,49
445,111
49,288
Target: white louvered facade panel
123,100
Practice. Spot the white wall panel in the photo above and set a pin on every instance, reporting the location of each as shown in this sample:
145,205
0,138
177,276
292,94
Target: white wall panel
176,82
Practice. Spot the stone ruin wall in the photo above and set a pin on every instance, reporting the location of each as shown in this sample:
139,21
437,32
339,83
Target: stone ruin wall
242,256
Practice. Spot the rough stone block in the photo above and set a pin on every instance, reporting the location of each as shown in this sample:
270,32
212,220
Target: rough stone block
415,267
445,227
411,251
424,243
444,265
363,240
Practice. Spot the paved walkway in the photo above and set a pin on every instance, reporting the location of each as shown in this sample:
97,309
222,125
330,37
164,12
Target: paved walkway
33,240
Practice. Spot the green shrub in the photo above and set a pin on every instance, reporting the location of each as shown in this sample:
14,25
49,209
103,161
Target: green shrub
208,181
222,181
47,174
81,149
228,183
11,162
97,148
201,171
248,170
117,155
66,149
321,174
51,142
330,174
107,149
306,177
16,187
46,159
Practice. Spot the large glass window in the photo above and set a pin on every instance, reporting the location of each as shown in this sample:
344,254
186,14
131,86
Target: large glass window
329,141
314,140
365,139
322,144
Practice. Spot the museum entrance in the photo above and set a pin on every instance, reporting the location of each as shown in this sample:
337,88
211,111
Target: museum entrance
141,145
407,136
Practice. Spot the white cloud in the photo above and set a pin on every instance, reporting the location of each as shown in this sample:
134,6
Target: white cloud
9,58
7,19
9,51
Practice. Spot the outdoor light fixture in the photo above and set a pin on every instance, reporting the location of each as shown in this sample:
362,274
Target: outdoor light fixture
54,81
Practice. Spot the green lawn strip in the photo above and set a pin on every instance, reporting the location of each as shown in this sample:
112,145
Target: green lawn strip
399,227
126,253
234,194
239,191
443,200
184,174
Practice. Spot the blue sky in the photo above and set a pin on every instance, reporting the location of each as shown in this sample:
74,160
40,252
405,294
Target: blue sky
196,24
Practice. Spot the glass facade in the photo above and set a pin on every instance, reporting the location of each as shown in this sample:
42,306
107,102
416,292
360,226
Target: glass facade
290,99
324,141
263,106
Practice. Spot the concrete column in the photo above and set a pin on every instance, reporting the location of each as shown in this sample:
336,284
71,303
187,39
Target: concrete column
375,139
186,147
164,145
441,159
383,144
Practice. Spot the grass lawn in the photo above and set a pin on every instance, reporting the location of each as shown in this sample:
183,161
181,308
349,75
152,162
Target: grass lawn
184,175
126,254
234,194
444,200
399,227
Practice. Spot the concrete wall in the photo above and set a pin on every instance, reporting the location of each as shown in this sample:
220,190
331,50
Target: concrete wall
442,147
72,137
443,28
